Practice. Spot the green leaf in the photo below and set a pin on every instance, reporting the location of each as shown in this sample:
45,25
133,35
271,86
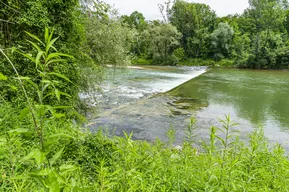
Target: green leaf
3,141
221,130
64,169
57,94
37,155
59,177
50,44
20,130
46,35
45,81
37,60
2,77
29,81
55,61
222,140
34,45
65,94
56,157
49,94
43,172
54,48
26,55
13,87
45,87
24,112
57,55
34,37
61,76
50,36
58,115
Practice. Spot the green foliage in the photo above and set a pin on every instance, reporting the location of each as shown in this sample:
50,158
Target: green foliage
108,42
95,35
222,40
255,39
161,41
42,150
135,20
195,21
179,53
83,161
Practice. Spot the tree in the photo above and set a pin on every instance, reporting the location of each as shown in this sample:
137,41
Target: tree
135,20
108,41
162,41
266,14
194,21
267,18
222,40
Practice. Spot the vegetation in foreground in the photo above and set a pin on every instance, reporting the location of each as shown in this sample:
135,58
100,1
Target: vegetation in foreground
74,159
42,150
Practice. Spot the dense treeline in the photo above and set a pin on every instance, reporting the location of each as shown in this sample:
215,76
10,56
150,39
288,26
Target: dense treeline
256,39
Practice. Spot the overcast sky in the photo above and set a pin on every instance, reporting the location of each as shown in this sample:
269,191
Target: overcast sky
150,9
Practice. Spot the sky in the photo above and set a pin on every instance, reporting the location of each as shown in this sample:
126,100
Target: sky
150,9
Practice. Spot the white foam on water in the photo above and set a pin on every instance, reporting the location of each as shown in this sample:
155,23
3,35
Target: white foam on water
164,85
130,89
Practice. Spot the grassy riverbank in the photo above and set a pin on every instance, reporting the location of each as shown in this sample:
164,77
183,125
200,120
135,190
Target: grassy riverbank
192,62
74,159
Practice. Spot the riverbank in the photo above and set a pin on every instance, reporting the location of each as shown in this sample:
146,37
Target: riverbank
74,159
192,62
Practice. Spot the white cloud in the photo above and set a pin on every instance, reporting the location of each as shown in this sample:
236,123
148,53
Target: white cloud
150,10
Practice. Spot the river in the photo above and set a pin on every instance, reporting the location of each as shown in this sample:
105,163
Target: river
148,101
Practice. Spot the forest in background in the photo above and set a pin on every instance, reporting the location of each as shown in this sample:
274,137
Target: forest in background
192,34
189,33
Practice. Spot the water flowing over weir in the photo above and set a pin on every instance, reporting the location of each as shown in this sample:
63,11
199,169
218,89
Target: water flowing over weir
148,101
129,101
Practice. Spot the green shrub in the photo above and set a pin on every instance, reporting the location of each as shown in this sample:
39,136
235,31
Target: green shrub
142,61
83,161
225,63
179,53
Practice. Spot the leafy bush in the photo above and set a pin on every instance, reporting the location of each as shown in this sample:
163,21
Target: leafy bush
142,61
179,53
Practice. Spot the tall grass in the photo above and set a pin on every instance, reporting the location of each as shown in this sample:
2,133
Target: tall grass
82,161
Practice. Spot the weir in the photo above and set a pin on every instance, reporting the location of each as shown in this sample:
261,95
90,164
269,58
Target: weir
126,102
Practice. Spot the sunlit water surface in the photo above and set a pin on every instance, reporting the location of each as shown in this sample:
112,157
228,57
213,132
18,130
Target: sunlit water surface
130,101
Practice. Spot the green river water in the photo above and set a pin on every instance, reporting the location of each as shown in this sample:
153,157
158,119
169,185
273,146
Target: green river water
252,98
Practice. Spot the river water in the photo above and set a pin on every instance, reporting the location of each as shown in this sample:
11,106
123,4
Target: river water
148,101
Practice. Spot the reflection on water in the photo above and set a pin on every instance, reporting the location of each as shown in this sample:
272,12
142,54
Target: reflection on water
252,98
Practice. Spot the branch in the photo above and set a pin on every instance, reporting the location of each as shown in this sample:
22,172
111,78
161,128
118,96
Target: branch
9,6
6,21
